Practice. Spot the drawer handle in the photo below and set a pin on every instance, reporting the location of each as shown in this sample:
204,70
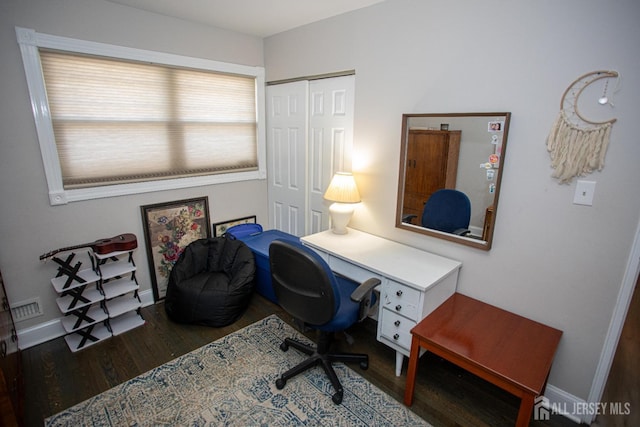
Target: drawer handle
397,323
398,307
396,336
399,293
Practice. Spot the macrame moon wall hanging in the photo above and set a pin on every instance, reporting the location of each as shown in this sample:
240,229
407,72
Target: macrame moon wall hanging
578,146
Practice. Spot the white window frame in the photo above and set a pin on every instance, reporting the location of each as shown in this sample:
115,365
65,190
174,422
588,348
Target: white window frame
30,41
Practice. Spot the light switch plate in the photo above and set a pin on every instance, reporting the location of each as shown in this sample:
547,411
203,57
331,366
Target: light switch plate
584,193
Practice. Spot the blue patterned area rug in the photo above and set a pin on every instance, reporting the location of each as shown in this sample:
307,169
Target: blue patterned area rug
231,382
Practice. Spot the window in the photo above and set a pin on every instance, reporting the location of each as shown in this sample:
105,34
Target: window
115,120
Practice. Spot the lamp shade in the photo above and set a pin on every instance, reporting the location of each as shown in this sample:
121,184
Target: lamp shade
342,189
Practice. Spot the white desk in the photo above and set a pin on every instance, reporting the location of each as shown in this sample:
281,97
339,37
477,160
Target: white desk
413,282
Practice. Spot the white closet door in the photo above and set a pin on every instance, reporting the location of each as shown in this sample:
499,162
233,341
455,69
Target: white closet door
310,137
286,156
331,103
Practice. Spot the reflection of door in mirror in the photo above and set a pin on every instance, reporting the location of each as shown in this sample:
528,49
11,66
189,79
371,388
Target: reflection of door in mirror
431,165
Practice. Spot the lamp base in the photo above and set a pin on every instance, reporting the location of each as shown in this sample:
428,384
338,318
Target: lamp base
340,216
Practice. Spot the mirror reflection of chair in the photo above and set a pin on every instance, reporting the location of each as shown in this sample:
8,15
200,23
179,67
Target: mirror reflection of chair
446,210
307,289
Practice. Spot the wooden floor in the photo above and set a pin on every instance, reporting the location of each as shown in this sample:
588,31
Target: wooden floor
623,384
445,395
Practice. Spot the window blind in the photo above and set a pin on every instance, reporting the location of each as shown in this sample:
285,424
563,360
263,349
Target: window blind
118,121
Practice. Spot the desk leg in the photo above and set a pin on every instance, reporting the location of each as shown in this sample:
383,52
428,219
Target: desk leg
526,409
399,361
411,371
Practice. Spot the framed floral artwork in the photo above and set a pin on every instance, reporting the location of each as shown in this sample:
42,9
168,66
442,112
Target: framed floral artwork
168,229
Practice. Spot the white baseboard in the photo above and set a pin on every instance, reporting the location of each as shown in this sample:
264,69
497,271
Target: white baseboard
566,404
53,329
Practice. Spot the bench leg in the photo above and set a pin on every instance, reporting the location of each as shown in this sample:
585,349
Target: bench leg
526,409
411,371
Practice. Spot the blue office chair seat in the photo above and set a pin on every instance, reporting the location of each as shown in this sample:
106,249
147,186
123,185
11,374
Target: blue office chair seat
307,289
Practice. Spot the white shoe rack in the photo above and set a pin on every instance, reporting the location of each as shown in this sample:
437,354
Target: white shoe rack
97,302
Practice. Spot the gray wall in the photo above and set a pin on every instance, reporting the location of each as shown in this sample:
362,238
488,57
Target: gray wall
29,226
553,261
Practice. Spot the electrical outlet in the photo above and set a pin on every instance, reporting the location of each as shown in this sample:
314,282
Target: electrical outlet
584,193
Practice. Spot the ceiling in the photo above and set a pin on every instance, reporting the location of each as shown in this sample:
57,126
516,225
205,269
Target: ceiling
261,18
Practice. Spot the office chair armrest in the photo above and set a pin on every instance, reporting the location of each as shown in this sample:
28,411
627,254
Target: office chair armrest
461,231
364,289
363,295
408,218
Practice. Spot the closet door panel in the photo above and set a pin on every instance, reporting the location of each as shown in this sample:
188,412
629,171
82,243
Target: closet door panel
286,156
331,130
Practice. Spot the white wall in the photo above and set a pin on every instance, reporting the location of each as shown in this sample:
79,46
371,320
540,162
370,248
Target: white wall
29,226
552,261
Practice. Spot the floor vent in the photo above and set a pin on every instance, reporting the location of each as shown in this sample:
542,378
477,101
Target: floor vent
26,310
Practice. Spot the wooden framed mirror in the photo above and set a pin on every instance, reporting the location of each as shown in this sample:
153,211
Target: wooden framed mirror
458,153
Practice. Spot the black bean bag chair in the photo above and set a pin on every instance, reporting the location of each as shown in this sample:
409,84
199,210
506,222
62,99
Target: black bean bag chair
211,283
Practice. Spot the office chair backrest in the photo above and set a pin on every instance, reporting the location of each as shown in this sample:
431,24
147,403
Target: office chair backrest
303,283
447,210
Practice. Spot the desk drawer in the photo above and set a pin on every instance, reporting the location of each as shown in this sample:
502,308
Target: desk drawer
402,299
351,271
396,328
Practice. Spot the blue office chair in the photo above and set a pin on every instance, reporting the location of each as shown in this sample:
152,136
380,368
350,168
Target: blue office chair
446,210
307,289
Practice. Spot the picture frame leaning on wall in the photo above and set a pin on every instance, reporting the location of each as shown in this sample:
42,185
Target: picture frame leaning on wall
169,228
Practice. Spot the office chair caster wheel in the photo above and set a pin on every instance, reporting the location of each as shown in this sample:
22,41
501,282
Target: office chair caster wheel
364,365
337,398
284,346
280,383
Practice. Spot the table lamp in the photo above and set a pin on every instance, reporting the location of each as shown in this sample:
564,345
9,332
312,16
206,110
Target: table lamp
343,192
